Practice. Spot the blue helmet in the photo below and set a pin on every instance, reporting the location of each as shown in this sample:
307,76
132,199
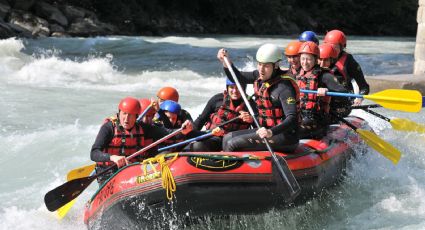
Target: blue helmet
170,106
229,82
308,36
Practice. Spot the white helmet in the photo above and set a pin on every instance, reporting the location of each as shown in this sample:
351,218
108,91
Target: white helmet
269,53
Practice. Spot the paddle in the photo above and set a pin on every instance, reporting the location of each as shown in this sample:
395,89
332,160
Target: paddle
281,164
396,99
80,172
381,146
196,138
62,211
139,119
68,191
366,106
74,174
400,123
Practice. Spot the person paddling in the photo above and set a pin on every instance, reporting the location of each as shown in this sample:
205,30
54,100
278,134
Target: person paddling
122,136
348,68
277,99
340,106
220,108
315,107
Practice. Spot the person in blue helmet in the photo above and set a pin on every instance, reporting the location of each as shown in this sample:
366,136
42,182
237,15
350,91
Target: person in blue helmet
169,93
170,110
308,36
220,108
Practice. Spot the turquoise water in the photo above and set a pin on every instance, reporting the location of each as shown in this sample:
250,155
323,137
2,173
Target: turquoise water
56,92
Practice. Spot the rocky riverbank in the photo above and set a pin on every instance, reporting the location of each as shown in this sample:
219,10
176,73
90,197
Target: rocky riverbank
31,18
40,18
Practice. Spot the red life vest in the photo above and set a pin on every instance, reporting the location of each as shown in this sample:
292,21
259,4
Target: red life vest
294,71
311,102
271,114
340,66
226,112
125,142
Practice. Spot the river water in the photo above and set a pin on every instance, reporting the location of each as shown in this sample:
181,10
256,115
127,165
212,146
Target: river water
55,93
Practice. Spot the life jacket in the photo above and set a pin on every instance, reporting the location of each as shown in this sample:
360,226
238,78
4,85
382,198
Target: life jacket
226,112
294,71
311,102
124,142
270,112
340,67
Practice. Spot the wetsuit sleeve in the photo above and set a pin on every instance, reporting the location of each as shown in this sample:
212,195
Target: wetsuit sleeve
208,110
186,115
355,71
331,82
104,137
286,94
243,77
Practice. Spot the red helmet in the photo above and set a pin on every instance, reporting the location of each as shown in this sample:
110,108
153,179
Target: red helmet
144,103
292,48
168,93
327,51
336,37
309,48
129,105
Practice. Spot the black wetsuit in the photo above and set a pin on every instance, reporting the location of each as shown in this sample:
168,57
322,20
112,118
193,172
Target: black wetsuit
163,120
354,71
285,135
213,143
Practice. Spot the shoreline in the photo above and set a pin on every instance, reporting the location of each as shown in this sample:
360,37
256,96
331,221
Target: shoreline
397,81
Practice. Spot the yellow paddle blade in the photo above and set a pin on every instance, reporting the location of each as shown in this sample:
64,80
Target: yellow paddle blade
381,146
81,172
62,211
406,125
398,99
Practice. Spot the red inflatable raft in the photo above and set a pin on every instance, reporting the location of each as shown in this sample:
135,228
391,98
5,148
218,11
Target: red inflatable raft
217,183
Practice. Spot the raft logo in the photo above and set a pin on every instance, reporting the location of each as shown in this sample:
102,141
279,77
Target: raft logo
148,177
215,163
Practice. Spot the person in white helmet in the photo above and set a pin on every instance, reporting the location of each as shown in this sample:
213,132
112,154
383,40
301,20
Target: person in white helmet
277,99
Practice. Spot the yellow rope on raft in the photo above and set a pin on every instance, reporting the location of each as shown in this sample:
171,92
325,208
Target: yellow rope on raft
168,182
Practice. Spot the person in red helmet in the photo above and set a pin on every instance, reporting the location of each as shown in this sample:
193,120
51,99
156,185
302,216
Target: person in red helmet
338,105
347,67
314,107
220,108
121,136
328,55
169,93
149,115
292,56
